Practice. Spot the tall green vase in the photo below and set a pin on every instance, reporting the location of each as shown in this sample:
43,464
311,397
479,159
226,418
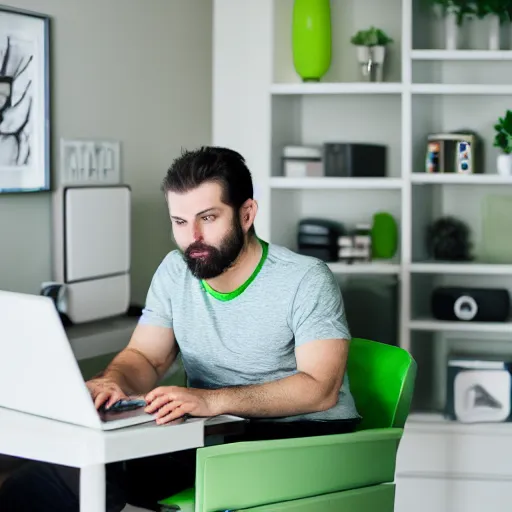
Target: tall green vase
311,38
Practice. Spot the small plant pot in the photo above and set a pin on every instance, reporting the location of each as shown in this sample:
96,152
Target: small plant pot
504,164
451,31
371,62
494,32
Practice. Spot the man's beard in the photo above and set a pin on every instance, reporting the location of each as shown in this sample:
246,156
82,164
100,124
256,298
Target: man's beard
218,259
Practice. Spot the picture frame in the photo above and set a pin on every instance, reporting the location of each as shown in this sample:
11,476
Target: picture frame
25,118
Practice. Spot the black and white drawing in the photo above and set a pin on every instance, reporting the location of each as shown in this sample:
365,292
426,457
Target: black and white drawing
24,101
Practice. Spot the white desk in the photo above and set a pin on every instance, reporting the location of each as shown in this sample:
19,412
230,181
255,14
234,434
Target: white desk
31,437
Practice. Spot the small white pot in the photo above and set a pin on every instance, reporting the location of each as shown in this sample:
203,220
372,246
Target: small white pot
504,164
379,54
494,32
451,31
363,54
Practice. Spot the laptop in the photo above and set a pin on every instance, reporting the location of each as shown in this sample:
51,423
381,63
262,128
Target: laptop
39,373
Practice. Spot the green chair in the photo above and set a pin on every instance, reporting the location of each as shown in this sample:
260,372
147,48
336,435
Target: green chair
346,472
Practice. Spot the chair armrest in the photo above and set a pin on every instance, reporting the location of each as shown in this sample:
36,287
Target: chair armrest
248,474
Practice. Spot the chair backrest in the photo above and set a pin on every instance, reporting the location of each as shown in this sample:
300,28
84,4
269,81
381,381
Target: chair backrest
382,383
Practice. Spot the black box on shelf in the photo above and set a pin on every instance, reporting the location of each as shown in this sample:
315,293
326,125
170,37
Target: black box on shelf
354,160
466,304
319,238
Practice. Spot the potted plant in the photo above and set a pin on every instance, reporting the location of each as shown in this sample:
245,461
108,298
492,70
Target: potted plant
503,140
454,13
371,51
496,12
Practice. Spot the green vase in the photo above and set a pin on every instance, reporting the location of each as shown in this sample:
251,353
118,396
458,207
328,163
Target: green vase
311,38
384,236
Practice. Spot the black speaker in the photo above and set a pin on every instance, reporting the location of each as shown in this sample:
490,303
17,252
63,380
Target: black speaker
319,238
356,160
471,304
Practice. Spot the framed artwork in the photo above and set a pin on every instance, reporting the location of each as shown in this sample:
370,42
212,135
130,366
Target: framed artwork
24,101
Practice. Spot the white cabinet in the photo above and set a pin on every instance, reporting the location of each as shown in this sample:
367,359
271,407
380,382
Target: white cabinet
444,466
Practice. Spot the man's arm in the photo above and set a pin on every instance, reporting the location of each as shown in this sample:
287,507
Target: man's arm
320,365
315,387
150,353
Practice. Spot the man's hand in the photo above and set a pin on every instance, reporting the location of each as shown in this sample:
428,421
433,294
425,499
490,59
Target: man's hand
105,391
172,402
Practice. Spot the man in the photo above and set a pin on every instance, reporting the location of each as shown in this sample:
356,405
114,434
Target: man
261,331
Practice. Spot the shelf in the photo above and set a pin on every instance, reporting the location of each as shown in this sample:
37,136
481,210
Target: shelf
438,267
465,89
336,88
460,179
335,183
436,423
376,267
429,324
468,55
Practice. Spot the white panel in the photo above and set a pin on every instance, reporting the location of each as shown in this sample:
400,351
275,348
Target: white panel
98,298
33,343
97,232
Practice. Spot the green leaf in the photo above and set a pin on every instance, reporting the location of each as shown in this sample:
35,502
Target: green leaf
371,37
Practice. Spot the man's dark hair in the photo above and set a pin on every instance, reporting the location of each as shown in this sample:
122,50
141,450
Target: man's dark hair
222,165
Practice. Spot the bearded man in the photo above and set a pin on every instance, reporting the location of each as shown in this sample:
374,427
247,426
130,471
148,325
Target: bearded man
261,331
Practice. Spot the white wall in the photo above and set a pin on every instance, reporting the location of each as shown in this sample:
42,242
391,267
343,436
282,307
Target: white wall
133,70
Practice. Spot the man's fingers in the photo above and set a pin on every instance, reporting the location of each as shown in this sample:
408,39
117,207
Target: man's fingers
157,392
100,399
157,403
115,397
108,398
168,408
176,413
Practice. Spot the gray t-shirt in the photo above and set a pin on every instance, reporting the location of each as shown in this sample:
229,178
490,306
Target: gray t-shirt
249,336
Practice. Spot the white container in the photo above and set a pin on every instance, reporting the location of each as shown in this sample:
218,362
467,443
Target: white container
494,32
504,164
302,162
451,31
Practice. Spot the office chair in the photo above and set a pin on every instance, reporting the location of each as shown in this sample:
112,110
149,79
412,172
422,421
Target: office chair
344,472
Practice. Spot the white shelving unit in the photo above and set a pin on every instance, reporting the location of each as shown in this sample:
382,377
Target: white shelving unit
260,105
